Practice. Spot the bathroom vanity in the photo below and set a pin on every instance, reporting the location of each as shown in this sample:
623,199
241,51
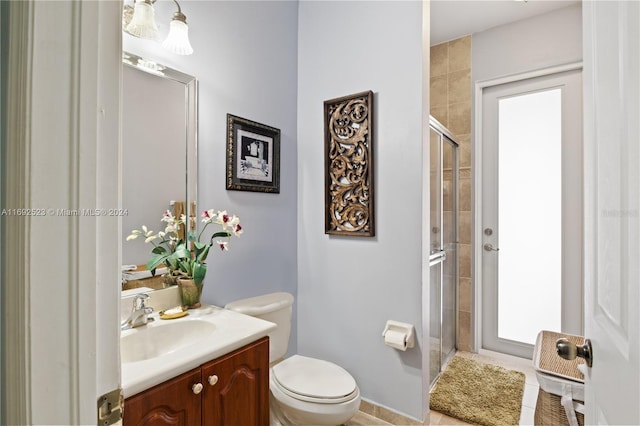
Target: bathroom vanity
230,390
210,367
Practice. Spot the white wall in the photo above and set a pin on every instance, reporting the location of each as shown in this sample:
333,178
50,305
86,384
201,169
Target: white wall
349,286
543,41
245,60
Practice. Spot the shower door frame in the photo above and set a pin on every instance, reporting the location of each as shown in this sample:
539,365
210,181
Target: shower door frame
447,137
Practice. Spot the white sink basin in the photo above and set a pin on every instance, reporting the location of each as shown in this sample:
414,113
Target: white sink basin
163,349
150,342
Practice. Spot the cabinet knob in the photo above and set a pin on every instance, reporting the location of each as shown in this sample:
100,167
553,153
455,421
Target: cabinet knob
213,380
197,388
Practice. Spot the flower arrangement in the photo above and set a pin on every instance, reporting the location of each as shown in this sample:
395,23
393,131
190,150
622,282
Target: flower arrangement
186,259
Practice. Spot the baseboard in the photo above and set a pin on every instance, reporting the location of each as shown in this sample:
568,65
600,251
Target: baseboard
387,415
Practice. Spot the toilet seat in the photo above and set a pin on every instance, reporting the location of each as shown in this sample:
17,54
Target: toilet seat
314,380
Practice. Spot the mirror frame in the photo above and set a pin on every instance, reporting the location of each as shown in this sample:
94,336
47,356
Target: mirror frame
191,118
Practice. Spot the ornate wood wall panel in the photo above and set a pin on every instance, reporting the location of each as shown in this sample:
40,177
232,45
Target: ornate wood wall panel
348,154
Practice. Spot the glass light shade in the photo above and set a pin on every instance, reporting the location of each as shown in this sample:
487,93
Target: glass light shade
178,39
143,23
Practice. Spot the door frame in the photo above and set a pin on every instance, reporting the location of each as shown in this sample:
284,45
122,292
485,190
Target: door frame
476,195
62,342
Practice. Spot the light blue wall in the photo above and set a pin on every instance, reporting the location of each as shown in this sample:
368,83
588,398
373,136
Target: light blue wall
275,63
245,60
348,287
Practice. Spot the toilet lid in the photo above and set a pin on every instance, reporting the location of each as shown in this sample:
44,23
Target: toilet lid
313,378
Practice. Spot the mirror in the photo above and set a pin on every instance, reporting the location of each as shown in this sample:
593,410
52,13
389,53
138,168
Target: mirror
159,156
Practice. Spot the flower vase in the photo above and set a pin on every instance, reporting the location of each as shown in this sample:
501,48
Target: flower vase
190,293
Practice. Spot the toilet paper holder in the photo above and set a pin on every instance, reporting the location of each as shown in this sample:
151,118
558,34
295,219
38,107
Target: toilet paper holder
407,330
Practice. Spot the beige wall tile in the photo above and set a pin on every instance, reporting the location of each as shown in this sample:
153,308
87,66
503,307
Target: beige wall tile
465,172
459,86
451,63
465,195
460,118
464,260
464,331
367,407
464,295
464,225
460,54
441,114
439,59
439,91
395,418
464,152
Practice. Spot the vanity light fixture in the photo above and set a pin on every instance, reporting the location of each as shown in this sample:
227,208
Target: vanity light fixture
178,39
141,23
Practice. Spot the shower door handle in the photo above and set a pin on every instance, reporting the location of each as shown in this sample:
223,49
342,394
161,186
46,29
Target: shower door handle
437,257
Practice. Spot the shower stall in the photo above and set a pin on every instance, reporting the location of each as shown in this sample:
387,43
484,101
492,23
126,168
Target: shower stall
443,256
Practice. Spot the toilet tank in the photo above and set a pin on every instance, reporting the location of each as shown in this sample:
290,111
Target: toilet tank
275,308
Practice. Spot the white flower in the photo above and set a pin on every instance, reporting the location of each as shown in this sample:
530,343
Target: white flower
208,216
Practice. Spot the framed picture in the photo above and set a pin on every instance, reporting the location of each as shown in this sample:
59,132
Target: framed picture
348,159
253,156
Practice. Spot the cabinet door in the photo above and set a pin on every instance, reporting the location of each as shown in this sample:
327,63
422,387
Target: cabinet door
170,403
236,389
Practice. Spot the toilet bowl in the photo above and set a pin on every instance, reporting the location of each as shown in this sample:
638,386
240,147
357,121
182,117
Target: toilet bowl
310,391
304,390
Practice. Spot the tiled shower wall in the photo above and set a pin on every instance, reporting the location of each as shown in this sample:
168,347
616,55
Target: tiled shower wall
451,105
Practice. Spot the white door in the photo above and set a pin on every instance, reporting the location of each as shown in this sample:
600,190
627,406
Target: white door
531,210
612,94
61,346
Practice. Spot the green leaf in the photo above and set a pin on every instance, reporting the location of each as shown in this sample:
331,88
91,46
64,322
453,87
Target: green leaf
155,261
202,256
199,271
159,250
181,252
221,234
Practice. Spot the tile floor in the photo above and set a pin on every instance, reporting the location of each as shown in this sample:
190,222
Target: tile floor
513,363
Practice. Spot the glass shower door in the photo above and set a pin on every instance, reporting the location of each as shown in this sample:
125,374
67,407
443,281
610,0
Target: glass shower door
443,250
436,258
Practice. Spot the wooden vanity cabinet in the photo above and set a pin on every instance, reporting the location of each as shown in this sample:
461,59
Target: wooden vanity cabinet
235,391
240,391
170,403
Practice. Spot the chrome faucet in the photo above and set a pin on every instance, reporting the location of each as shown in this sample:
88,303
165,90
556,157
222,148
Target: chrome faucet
139,312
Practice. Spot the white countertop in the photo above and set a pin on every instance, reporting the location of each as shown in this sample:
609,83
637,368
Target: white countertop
232,331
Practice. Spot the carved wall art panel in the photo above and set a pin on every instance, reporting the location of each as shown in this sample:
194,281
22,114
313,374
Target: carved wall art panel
348,154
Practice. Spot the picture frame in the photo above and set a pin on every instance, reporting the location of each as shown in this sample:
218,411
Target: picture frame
253,156
348,157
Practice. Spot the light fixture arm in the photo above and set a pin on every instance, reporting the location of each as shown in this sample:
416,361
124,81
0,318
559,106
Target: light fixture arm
179,15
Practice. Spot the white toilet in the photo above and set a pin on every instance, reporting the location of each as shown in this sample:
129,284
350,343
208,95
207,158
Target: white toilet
304,391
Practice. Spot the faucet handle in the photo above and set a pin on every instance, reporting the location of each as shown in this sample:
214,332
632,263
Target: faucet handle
139,301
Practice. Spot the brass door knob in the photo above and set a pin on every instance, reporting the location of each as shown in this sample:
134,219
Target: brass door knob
568,350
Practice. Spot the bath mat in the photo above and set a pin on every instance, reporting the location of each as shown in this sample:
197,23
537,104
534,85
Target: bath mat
479,393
